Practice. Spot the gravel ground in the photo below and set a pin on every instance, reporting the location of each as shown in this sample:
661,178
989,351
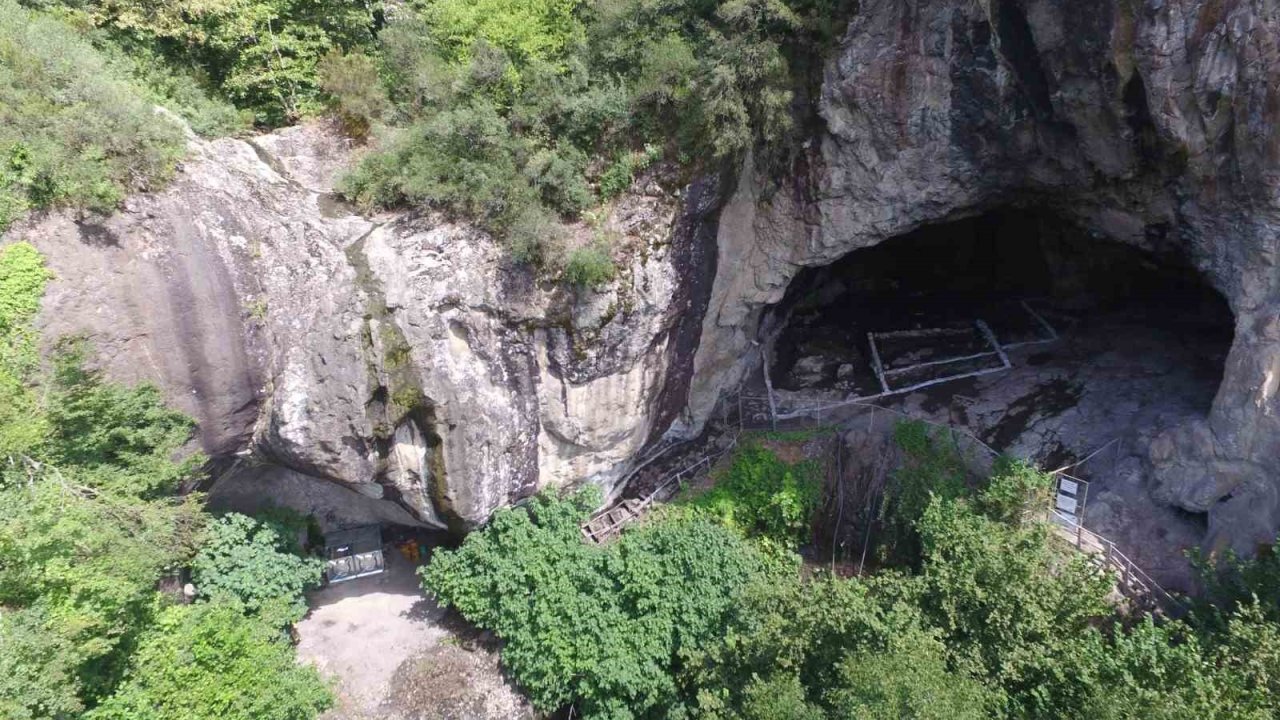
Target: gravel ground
393,654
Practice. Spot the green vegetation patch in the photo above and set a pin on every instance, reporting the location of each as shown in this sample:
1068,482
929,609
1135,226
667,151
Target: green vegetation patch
258,565
605,628
682,617
762,495
210,662
515,112
73,132
91,520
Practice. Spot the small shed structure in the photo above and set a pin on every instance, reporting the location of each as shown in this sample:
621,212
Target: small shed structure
353,553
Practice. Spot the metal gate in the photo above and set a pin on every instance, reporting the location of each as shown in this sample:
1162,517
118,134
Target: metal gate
353,553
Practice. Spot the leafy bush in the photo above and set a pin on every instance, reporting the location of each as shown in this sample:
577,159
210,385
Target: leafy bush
536,238
72,132
87,522
561,88
209,662
352,80
86,561
121,439
461,160
604,627
529,31
619,175
761,494
38,668
932,467
909,679
998,622
176,88
254,564
22,280
1014,487
1230,582
589,266
1012,606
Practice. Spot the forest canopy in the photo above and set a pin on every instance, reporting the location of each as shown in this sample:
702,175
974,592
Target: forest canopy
975,612
515,114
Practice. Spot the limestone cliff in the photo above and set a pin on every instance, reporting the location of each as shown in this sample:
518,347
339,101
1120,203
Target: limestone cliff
404,357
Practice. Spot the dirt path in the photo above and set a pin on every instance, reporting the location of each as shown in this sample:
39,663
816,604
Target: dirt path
393,654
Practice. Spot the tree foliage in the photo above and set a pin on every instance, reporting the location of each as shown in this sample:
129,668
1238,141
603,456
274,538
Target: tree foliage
91,520
261,54
760,494
991,619
255,564
602,627
209,662
507,109
73,132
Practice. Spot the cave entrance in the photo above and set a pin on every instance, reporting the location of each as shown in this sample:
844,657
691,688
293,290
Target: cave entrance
1039,338
1010,301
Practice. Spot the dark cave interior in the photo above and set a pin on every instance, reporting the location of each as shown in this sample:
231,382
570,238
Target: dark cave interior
1027,274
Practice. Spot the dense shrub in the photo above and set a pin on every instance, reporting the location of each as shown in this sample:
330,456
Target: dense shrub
760,494
22,279
120,439
254,564
209,662
605,628
557,104
589,266
528,31
261,54
932,466
1015,486
352,80
89,523
72,131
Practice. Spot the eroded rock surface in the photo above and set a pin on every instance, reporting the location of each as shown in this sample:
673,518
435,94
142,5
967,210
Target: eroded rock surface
1152,123
402,356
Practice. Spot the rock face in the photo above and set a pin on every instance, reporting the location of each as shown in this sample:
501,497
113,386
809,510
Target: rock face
401,356
404,357
1153,123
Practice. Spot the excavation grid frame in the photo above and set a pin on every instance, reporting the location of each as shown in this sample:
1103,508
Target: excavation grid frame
885,373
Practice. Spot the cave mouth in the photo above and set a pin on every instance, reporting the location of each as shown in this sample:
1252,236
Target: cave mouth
957,308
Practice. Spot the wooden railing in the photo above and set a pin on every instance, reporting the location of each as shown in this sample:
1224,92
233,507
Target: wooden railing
608,522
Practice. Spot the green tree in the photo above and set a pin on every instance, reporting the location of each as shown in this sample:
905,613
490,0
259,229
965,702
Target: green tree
73,132
529,31
602,627
262,54
761,494
255,564
22,280
209,662
908,680
1011,605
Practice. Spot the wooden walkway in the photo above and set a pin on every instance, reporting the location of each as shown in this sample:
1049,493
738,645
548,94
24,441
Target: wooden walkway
609,522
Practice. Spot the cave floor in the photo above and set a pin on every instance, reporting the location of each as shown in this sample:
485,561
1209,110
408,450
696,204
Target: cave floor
1111,381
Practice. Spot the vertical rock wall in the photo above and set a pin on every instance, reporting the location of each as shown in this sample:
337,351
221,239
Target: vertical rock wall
402,356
